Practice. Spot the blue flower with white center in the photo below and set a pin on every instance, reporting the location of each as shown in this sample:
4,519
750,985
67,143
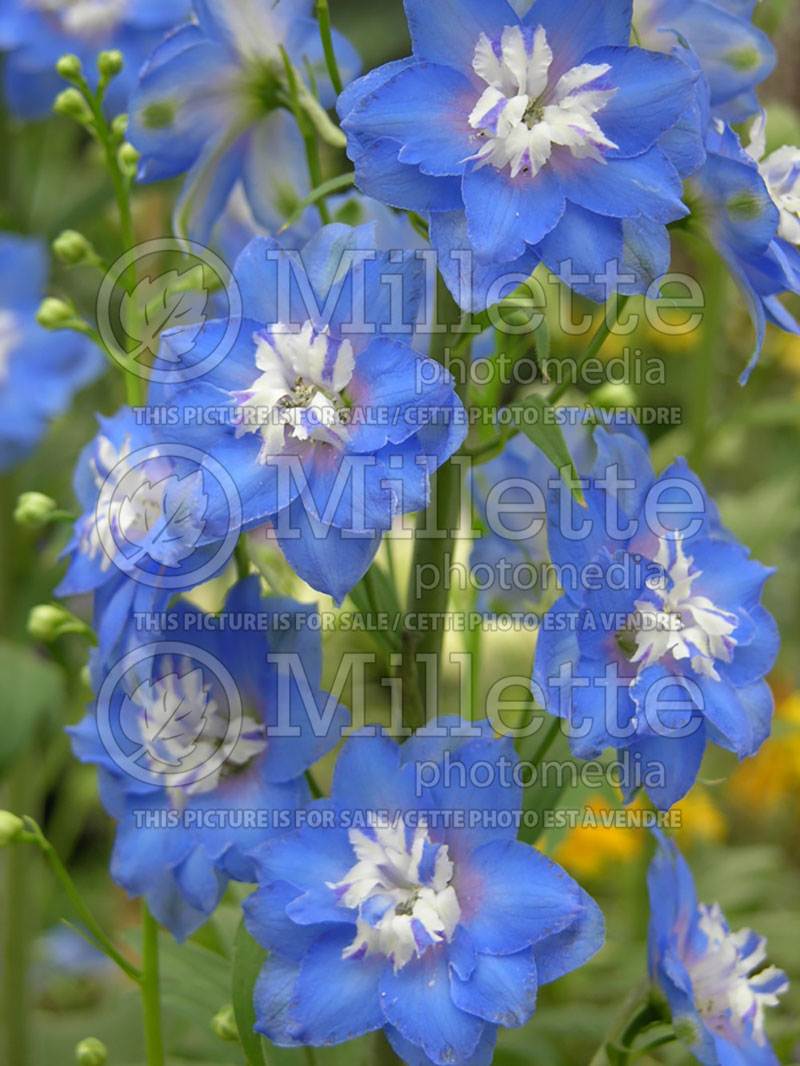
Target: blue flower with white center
509,494
734,55
157,519
749,209
715,981
659,643
201,734
409,909
36,33
524,138
212,100
329,423
40,370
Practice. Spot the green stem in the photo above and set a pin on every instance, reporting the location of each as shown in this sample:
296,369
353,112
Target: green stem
482,453
309,136
324,19
17,929
639,1010
610,318
705,359
242,558
151,998
36,836
429,550
547,741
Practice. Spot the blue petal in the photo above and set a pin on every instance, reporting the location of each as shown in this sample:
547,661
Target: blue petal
566,951
647,185
426,109
414,1056
501,990
588,25
512,896
273,992
448,31
580,249
678,758
335,999
504,213
417,1002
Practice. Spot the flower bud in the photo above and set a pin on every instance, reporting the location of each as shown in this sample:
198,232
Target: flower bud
109,64
54,314
72,104
119,126
49,621
128,157
69,67
91,1052
223,1025
34,510
11,827
73,248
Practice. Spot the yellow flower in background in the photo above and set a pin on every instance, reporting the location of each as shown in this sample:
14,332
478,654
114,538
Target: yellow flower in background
588,850
771,780
701,819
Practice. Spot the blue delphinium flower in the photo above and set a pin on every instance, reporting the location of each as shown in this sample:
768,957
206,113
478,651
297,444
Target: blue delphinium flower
525,138
714,980
734,55
514,542
202,743
751,213
659,643
36,33
40,370
155,521
211,98
409,909
327,422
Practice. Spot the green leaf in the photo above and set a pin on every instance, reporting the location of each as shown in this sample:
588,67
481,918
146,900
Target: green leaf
537,419
33,691
248,958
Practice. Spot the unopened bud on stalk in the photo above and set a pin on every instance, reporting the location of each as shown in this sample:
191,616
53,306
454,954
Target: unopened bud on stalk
73,248
72,104
11,827
54,313
34,510
91,1052
109,64
128,157
49,621
69,67
223,1025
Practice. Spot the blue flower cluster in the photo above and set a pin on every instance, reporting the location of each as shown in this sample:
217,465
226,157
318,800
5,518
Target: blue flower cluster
659,643
575,136
391,915
715,981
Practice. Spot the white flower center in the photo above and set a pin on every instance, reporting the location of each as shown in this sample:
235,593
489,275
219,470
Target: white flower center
180,729
403,894
521,116
161,518
730,1001
781,174
683,624
85,18
10,338
299,389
